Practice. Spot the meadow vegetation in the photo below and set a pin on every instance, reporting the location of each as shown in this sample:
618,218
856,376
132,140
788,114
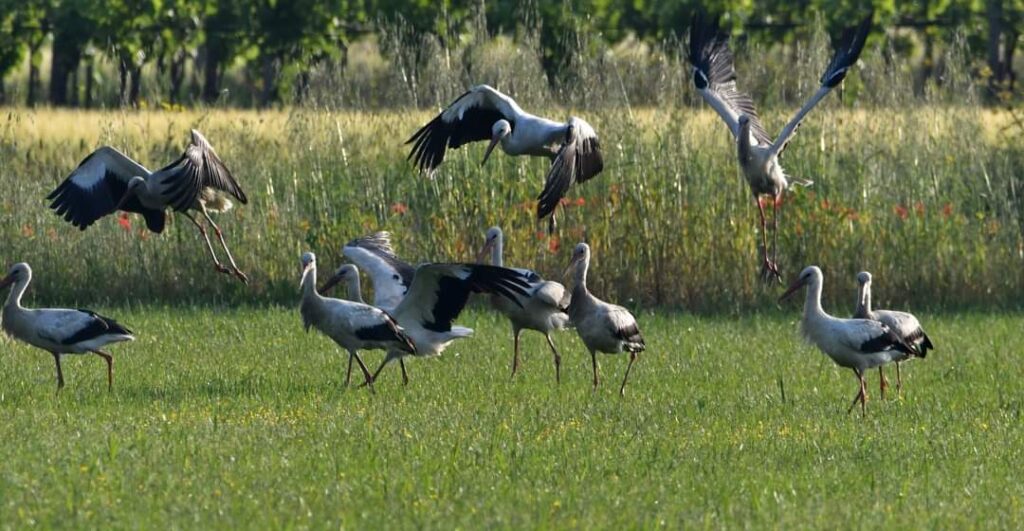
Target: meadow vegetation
236,418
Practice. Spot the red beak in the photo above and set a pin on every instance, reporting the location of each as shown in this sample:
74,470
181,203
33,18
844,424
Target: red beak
490,148
792,289
330,283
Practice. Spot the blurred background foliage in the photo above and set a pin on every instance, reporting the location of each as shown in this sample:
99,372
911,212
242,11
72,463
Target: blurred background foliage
359,53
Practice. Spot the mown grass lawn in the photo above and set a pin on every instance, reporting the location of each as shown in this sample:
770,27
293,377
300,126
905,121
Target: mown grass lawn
236,418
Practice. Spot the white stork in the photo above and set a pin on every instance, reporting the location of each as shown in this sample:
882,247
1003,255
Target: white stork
542,310
858,344
903,324
108,181
427,303
603,327
354,326
483,113
714,75
58,331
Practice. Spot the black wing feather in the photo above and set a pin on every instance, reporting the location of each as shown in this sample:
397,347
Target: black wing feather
98,326
432,140
851,42
453,293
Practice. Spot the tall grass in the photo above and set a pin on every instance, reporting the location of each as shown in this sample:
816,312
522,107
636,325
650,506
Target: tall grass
924,191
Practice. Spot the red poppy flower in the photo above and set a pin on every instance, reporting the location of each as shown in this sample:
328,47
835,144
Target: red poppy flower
580,201
399,208
947,210
901,211
554,244
124,221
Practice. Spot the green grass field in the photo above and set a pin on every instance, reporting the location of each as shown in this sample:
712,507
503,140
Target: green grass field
237,418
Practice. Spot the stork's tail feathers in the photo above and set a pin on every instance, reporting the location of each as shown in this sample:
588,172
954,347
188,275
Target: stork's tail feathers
925,345
219,204
561,321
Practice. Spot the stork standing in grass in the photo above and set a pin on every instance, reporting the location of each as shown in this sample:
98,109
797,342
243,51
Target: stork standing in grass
108,181
58,331
857,344
603,327
483,113
542,310
428,302
902,324
714,75
354,326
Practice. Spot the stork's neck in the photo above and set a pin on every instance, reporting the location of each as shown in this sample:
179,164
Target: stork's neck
355,292
743,144
497,252
812,306
309,293
864,299
14,297
580,276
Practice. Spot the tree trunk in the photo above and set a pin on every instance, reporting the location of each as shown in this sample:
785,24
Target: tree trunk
65,58
177,74
122,72
211,75
88,83
1009,48
73,87
994,14
33,73
136,86
268,73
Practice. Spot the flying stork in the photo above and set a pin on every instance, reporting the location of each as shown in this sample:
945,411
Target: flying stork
484,113
108,181
58,331
714,75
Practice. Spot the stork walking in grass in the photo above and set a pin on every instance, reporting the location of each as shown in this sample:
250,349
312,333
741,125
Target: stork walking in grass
483,113
857,344
354,326
714,75
426,303
58,331
903,324
603,327
108,181
543,309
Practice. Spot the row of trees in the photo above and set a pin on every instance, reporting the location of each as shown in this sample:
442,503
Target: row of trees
192,44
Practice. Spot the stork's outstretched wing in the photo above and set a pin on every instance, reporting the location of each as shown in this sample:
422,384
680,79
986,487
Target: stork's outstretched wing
847,52
468,119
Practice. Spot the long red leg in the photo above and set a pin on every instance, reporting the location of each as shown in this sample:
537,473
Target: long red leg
883,382
110,368
362,366
632,358
558,359
515,351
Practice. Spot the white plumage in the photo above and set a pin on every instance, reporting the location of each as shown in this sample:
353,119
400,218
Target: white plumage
603,327
483,113
354,326
58,331
543,309
857,344
714,76
108,181
905,325
434,294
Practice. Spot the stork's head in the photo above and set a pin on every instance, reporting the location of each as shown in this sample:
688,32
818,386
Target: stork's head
344,273
491,239
19,272
863,278
131,191
580,255
499,131
810,275
308,262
